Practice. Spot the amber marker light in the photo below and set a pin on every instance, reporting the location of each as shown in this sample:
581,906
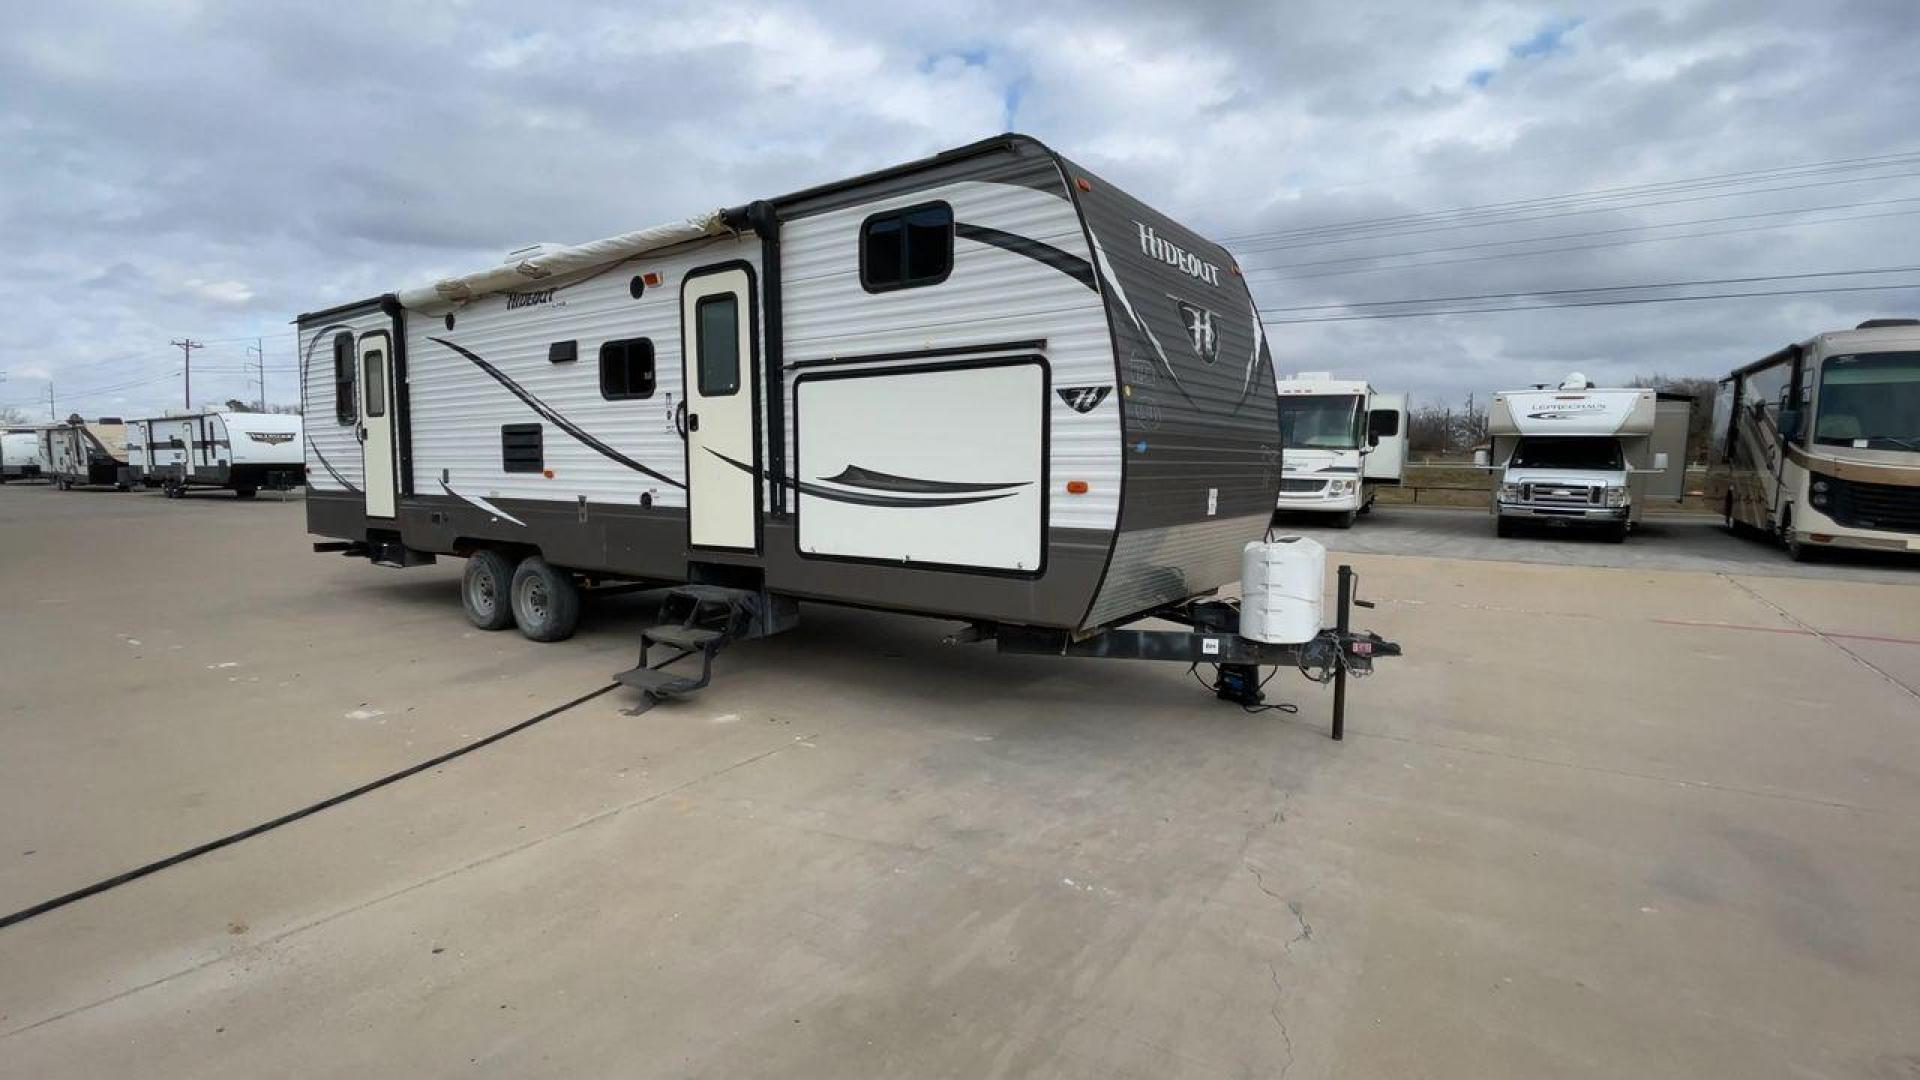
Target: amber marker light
1076,487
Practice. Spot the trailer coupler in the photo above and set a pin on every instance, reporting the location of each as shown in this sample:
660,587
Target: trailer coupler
1212,637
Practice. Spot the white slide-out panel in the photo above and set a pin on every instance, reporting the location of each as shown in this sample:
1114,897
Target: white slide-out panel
1386,460
943,466
993,295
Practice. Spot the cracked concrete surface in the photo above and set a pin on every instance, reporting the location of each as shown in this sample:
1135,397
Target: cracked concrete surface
1597,822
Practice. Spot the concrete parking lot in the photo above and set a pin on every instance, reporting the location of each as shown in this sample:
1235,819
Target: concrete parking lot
1659,819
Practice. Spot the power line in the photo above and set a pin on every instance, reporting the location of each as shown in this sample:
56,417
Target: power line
1595,247
1589,303
1284,244
97,390
1590,195
1579,235
1611,288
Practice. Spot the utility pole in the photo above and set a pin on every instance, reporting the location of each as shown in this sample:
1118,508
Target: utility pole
186,347
259,351
53,415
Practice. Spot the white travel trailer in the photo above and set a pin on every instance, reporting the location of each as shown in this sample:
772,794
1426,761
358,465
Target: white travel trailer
1580,455
239,451
1822,440
986,385
81,454
1340,442
20,455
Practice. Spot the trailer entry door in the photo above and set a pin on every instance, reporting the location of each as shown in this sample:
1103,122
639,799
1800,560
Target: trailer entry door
720,367
376,422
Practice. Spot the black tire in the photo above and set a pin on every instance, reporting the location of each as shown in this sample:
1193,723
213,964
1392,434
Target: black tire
484,588
1617,534
1502,528
1797,550
546,602
1345,521
245,493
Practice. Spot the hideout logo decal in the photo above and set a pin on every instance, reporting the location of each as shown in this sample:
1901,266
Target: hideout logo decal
1202,330
271,438
1084,399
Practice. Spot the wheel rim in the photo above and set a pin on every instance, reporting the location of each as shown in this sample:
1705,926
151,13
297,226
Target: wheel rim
536,600
483,595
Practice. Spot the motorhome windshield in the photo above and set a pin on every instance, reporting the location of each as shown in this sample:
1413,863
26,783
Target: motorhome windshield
1568,452
1320,421
1870,400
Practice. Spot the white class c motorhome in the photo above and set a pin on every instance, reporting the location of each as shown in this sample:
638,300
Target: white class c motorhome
1580,455
1340,441
986,385
1822,440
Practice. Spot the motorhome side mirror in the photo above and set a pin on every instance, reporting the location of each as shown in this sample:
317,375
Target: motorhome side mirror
1480,459
1789,424
1382,424
1659,462
1373,438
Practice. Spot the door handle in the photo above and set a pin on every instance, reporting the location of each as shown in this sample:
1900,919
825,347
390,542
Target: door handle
693,421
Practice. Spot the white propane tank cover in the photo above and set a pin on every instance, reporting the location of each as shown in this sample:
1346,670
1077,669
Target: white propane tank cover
1576,381
1281,585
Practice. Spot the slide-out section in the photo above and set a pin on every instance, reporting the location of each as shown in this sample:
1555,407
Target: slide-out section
936,465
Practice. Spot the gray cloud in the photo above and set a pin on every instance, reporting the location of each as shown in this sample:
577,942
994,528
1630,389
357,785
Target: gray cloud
213,169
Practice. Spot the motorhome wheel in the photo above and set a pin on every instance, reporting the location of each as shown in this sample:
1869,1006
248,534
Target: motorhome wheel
245,493
1797,549
483,590
1502,528
1345,521
1617,534
546,602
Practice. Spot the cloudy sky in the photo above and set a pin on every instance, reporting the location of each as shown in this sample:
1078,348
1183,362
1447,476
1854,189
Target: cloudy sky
208,169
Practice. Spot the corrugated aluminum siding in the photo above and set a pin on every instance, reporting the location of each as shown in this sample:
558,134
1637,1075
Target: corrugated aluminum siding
992,295
1201,425
458,408
332,448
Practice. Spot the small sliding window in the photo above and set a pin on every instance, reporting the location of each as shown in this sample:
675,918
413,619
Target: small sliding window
626,369
905,249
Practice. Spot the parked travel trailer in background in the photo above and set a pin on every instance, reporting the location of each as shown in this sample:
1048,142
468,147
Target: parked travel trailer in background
83,454
986,386
1580,455
1822,440
1340,442
239,451
20,455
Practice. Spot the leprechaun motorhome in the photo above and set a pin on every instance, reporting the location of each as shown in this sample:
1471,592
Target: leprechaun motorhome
1822,440
1579,455
986,385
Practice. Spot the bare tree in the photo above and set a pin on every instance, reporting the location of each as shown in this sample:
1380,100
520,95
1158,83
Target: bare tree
11,417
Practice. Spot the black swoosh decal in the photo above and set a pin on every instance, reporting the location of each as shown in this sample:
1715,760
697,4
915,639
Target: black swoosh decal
855,476
547,413
859,498
1071,265
305,362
